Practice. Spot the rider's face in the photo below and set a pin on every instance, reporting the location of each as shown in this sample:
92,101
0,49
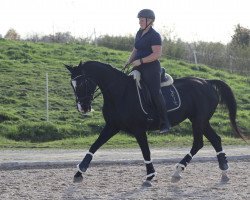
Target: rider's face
142,22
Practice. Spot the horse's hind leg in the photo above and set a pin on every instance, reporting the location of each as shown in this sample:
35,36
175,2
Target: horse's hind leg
215,140
197,145
143,143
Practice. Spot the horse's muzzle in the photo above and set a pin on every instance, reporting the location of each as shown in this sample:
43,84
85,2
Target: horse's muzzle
83,109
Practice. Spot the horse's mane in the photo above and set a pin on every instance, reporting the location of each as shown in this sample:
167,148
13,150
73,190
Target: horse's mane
106,66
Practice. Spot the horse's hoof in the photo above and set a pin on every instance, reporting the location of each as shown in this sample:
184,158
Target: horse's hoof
224,166
78,178
176,178
147,184
222,159
224,178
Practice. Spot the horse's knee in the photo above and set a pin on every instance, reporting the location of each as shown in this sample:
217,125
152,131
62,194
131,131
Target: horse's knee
200,145
196,147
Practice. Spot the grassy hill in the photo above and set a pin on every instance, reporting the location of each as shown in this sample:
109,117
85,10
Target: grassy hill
23,68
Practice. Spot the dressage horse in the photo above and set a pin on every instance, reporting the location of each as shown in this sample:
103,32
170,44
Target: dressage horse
122,111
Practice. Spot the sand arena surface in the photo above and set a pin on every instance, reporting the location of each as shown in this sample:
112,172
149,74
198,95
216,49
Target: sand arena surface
201,180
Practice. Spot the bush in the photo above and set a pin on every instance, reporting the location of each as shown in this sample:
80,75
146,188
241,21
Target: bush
5,116
124,43
43,132
12,35
36,132
6,129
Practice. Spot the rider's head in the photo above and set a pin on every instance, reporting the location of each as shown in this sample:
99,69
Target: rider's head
147,15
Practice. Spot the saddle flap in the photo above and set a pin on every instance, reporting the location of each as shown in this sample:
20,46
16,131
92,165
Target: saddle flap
169,92
166,79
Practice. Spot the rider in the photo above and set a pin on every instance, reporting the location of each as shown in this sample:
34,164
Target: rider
144,58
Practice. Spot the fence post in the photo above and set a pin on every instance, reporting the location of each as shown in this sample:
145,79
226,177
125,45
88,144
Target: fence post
95,39
231,63
47,97
195,58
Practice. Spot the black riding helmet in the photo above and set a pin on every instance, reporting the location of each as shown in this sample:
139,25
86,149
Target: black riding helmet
146,13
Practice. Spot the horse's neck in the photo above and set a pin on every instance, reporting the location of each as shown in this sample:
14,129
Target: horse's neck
108,77
112,84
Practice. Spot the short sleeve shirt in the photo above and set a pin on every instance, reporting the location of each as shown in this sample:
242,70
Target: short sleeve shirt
144,43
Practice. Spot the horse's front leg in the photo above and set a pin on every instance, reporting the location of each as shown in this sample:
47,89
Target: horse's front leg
143,143
105,135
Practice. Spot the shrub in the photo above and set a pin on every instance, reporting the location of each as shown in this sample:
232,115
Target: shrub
5,116
43,132
12,35
36,132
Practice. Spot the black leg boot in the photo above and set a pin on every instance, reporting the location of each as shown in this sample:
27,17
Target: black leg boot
162,111
165,125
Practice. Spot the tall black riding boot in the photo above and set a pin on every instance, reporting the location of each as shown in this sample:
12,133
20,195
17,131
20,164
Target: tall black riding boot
162,110
165,125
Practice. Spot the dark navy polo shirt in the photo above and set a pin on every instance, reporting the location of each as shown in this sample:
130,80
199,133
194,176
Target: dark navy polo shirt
144,43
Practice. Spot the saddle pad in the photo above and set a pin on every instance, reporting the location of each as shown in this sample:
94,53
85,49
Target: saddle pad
172,98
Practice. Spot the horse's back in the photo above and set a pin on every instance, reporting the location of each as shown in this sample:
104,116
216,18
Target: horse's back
198,97
194,85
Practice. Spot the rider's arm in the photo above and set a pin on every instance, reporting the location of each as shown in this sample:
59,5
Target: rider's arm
157,51
132,56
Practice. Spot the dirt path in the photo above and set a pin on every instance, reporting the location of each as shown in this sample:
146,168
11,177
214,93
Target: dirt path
118,174
200,181
13,158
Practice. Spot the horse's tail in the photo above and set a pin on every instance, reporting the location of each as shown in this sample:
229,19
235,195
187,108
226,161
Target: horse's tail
227,98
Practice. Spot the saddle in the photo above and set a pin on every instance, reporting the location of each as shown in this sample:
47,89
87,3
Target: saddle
170,93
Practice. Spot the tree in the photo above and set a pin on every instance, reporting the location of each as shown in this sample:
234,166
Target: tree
12,35
241,36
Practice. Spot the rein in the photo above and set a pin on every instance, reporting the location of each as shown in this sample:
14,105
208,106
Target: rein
92,96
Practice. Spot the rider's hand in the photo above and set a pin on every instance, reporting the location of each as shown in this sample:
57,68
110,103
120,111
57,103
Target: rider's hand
136,63
127,64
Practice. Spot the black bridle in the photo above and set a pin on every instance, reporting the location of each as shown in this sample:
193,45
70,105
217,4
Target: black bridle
91,96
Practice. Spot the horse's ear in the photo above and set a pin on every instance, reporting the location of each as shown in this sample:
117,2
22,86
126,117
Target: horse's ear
70,68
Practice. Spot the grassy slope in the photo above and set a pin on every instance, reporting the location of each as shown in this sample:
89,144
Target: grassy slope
22,84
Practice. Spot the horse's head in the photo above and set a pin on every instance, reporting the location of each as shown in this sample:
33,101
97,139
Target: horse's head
84,88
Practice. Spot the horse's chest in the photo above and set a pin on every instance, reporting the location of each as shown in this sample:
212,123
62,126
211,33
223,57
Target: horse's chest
120,114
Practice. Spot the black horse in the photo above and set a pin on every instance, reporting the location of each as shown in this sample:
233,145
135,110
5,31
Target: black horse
122,111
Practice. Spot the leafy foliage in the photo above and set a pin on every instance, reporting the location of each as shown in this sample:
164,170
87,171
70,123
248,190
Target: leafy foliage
12,35
241,36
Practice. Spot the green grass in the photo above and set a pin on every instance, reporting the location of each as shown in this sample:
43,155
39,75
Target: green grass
118,141
23,66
